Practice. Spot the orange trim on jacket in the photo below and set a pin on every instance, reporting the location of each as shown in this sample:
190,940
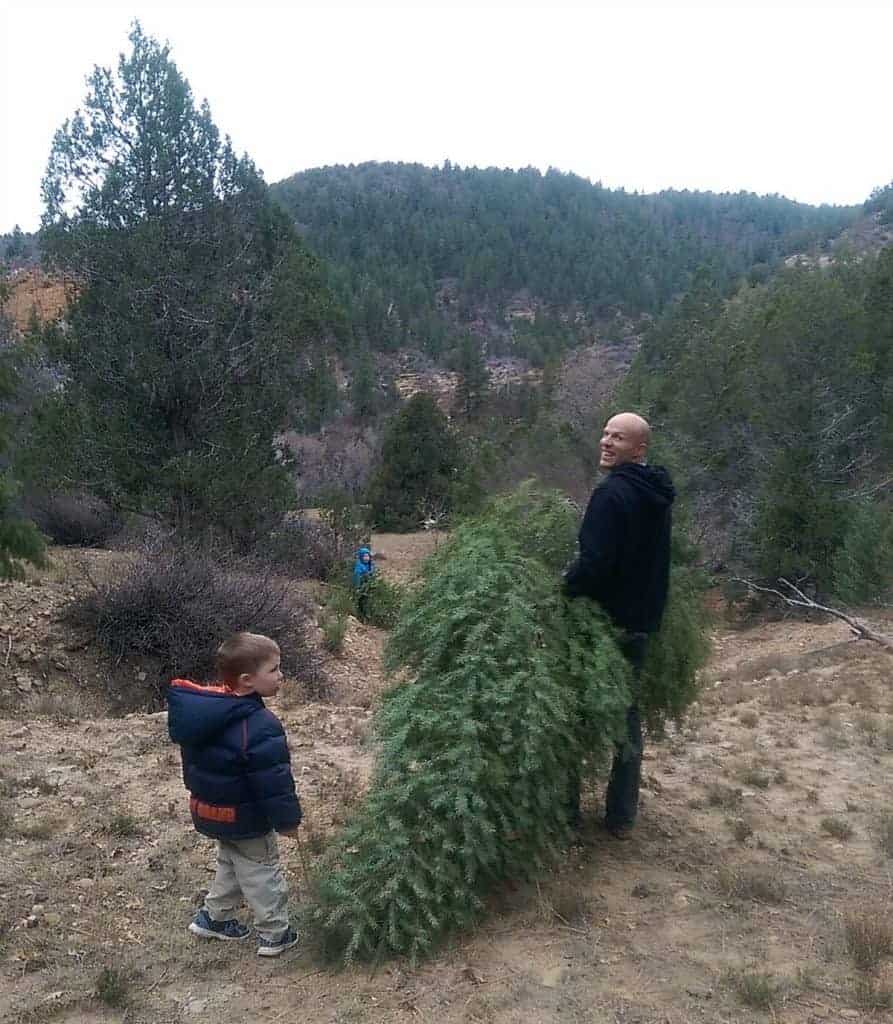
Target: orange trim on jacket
187,684
211,812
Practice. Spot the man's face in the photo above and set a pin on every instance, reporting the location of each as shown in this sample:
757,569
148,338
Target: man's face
621,442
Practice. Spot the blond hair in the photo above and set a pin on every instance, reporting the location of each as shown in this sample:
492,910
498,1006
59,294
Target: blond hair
243,652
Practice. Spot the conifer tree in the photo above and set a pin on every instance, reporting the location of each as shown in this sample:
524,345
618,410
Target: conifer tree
417,468
863,564
503,688
193,302
19,539
473,377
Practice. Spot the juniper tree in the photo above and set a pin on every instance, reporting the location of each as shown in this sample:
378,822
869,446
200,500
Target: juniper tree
192,305
502,688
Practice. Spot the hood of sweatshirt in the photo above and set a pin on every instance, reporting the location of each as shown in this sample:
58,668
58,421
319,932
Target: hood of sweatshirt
196,713
652,482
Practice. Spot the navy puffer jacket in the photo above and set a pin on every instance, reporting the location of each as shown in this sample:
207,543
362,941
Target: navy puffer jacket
236,764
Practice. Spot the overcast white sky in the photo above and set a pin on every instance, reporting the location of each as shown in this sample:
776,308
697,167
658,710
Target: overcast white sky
792,99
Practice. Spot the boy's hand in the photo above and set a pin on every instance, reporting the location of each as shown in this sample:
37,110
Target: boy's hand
291,833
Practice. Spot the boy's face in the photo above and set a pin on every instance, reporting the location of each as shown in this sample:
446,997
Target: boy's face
367,557
265,681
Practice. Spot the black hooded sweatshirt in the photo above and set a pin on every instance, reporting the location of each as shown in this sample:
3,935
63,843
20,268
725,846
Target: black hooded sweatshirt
624,560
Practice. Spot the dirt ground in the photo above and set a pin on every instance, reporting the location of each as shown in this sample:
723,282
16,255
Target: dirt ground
760,871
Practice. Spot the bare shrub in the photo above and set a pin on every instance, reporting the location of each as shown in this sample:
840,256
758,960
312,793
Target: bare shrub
74,520
173,608
306,549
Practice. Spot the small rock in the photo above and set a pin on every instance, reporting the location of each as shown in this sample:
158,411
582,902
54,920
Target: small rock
552,976
84,883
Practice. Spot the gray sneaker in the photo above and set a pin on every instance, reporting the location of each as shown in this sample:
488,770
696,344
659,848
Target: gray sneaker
273,947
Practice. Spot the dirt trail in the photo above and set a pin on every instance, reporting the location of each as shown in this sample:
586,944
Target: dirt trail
761,830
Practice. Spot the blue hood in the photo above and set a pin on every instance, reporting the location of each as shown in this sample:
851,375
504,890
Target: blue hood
195,713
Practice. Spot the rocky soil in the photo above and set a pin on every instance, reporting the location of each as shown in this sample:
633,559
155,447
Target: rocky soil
758,885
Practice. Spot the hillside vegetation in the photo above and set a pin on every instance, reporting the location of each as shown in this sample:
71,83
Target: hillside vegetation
393,234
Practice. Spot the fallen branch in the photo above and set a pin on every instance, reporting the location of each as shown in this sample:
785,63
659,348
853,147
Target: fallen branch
800,600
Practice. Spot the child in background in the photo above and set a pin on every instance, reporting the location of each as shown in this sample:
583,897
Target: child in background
363,573
237,768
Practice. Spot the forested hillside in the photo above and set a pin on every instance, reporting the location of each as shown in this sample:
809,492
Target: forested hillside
776,407
406,243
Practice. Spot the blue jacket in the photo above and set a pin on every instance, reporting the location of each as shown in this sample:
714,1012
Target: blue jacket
362,570
236,764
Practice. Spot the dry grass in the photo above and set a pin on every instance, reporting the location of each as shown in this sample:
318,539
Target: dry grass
113,987
868,937
837,828
742,830
869,993
883,832
122,825
758,990
764,885
756,777
719,795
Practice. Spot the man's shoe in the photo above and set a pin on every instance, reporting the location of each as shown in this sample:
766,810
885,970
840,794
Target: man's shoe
273,947
205,926
620,832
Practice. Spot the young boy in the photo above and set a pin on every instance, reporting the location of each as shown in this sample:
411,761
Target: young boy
237,769
363,572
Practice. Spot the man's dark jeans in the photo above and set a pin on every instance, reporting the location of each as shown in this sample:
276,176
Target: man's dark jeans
622,796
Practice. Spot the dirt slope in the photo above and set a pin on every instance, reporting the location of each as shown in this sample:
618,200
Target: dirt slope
761,830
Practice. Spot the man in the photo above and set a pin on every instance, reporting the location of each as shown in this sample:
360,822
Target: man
624,564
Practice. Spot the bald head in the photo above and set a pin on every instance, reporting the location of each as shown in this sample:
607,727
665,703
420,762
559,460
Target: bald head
624,439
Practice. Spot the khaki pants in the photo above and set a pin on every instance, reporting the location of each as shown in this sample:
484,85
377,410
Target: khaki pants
250,868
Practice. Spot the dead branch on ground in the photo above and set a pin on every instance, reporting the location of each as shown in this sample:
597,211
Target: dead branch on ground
797,599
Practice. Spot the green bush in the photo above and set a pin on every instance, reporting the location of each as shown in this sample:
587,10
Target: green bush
863,565
384,599
334,628
670,681
504,687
